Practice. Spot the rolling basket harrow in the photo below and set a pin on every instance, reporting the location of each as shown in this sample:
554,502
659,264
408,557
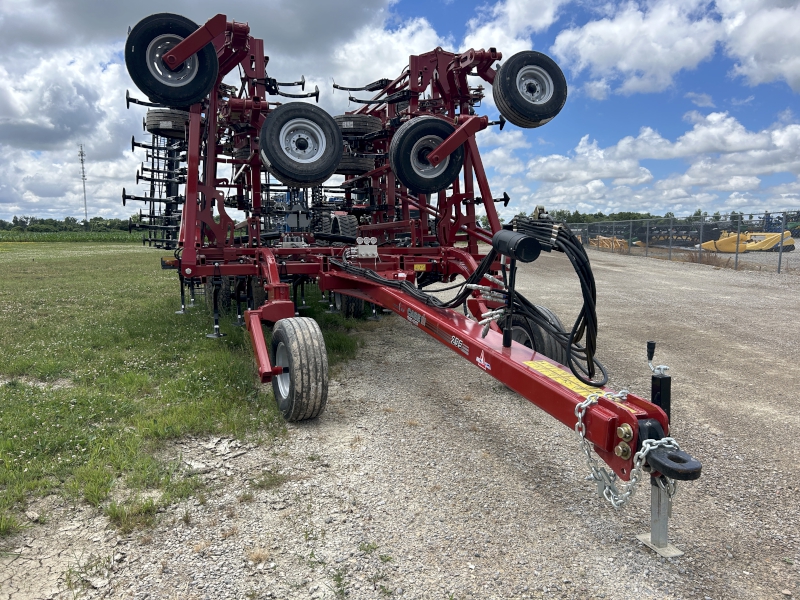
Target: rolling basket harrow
405,219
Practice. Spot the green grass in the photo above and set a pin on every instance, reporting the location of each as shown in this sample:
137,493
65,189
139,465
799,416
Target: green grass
72,236
100,373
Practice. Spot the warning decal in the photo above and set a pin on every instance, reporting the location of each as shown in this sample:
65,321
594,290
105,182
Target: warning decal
565,378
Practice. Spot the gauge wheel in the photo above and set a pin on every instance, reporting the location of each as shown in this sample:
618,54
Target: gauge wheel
148,41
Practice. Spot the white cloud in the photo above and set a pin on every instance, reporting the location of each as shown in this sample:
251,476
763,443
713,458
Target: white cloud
721,156
597,89
762,36
509,24
644,46
701,100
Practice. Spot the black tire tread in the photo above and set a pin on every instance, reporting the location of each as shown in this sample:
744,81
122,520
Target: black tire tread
355,165
309,367
345,225
157,118
358,124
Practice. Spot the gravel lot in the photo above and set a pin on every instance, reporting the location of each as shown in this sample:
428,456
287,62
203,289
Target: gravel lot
426,478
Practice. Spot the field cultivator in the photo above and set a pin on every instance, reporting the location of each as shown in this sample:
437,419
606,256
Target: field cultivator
403,218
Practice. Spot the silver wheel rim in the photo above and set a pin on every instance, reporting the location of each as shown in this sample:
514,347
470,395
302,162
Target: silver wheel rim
419,153
183,75
302,140
535,84
284,380
521,336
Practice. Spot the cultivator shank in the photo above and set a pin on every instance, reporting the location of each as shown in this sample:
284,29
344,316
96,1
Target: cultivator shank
404,217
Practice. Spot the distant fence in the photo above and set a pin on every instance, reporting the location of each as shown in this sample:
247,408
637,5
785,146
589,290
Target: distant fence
738,241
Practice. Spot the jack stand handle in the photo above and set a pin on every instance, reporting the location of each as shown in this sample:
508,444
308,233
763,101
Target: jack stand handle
651,351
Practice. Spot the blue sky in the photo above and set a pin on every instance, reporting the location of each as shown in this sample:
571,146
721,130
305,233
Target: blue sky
673,104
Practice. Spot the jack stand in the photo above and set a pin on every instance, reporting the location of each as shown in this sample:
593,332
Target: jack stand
322,300
182,311
375,316
217,283
660,512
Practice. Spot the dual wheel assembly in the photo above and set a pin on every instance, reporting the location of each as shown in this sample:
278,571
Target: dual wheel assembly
301,145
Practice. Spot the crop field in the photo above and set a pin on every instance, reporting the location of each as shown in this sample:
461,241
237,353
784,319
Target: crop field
96,371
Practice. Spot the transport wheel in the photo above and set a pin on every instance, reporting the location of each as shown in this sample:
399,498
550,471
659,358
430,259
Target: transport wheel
355,165
167,123
345,225
529,89
409,150
529,334
148,41
301,145
358,124
352,308
298,346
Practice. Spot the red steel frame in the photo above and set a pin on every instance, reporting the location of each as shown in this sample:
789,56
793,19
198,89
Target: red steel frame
209,248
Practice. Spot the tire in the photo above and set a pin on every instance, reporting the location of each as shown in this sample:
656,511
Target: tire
167,123
524,331
148,40
352,308
354,125
345,225
412,142
529,89
302,393
355,165
300,144
224,300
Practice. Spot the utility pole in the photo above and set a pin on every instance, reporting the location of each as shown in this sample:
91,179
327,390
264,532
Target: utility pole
82,156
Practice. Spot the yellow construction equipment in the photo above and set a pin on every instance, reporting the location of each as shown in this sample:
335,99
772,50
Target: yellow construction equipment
751,242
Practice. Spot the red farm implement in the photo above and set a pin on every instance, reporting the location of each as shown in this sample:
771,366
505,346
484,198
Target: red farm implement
403,218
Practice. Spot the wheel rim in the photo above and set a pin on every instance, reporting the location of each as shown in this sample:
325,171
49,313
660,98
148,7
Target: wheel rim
419,157
337,301
283,380
521,336
181,76
535,84
302,140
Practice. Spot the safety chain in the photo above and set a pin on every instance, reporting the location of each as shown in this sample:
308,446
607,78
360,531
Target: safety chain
606,480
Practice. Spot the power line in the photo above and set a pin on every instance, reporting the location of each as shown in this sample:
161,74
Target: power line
82,156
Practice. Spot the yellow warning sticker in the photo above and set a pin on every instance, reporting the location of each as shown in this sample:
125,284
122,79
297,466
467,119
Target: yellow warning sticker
566,379
420,267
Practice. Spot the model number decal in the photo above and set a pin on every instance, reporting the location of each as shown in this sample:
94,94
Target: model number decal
460,345
415,317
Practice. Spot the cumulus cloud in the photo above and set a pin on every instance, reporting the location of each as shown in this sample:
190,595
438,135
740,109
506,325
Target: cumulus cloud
643,46
509,24
762,36
721,156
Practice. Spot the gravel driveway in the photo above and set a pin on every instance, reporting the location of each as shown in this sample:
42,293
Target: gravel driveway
426,478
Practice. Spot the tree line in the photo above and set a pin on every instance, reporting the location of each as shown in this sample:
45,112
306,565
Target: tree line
37,225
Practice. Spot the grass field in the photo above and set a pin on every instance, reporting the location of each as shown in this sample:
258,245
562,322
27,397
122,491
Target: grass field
97,372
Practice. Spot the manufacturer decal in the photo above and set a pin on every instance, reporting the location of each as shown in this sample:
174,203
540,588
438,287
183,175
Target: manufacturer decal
482,363
415,317
460,345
